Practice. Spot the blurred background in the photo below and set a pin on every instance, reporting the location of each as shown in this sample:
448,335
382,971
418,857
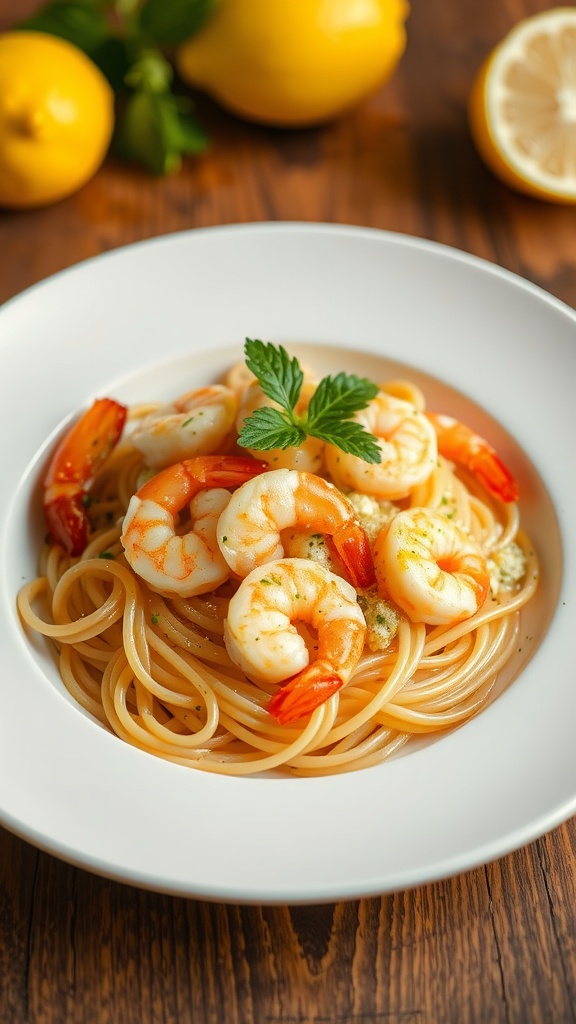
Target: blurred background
402,160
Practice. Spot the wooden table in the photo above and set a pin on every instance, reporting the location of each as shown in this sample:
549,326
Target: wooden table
497,944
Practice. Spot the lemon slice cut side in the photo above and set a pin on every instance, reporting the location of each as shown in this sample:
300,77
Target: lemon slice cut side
523,107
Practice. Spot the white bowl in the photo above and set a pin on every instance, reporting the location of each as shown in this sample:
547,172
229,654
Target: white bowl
153,319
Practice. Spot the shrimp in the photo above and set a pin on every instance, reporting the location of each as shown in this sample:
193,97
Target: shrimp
190,564
459,443
308,456
430,567
77,460
406,389
249,532
408,449
263,641
196,423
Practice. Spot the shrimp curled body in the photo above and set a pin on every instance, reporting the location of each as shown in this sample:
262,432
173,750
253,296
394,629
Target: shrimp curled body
196,423
186,564
408,450
263,641
430,567
250,528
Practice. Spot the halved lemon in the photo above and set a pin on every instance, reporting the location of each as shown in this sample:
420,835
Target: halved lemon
523,107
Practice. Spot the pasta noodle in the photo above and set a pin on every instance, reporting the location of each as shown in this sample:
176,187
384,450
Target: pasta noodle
156,671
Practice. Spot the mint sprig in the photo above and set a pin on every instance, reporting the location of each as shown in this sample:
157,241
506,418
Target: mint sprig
329,414
279,376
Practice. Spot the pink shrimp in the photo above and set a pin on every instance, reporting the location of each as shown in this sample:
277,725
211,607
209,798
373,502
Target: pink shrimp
430,567
460,444
252,525
191,563
263,640
78,458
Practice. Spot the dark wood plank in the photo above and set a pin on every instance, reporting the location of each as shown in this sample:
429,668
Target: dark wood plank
494,945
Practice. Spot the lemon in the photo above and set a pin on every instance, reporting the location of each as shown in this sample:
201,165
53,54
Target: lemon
294,62
523,107
56,118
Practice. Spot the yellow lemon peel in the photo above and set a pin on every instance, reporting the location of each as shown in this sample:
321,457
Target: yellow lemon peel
56,119
294,62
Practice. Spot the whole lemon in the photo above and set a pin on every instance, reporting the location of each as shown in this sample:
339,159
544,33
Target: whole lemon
56,118
294,62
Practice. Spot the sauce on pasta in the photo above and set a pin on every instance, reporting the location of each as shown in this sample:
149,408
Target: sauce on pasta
325,610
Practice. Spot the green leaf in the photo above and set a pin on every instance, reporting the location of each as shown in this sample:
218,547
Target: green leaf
170,22
350,437
269,428
150,72
279,376
335,401
183,130
111,56
155,131
123,9
340,397
138,136
81,22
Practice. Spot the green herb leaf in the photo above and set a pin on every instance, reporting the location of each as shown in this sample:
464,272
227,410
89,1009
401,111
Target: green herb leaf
156,129
151,72
185,132
123,9
350,437
340,397
138,136
170,22
279,376
335,401
81,22
113,59
269,428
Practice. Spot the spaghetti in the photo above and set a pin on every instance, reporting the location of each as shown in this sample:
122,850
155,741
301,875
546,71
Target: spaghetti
154,667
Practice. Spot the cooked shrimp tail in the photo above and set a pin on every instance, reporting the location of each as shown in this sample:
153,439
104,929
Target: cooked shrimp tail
494,475
460,444
227,470
305,692
78,458
176,485
353,547
262,637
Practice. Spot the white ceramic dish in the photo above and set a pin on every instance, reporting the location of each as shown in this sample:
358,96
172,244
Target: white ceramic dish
149,321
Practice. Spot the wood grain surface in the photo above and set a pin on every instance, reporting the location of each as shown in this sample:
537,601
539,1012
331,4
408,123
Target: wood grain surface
495,945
